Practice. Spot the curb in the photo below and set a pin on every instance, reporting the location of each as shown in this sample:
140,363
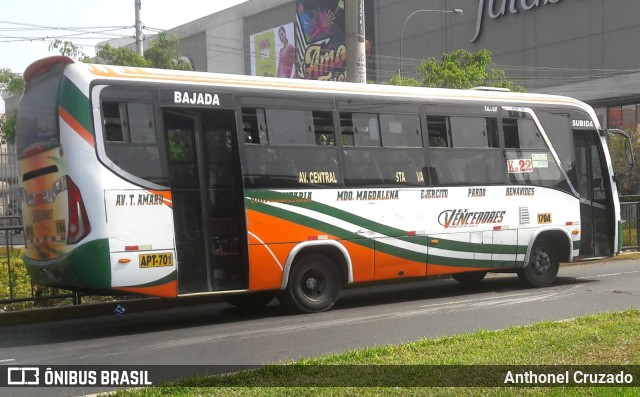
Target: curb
87,310
31,316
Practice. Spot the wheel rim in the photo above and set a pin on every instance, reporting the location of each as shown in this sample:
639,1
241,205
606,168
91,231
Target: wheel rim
313,285
541,262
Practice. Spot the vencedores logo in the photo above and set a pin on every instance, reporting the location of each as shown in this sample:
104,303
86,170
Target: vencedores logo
466,218
498,8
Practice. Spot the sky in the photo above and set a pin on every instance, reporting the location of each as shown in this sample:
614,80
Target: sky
23,39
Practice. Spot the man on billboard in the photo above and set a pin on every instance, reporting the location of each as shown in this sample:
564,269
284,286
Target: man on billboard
287,55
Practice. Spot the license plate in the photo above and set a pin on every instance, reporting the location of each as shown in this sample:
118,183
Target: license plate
159,259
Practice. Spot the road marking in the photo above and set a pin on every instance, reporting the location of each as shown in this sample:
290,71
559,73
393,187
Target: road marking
608,275
467,304
8,360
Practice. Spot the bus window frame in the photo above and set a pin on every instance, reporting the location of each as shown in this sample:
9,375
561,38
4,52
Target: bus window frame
127,93
452,110
531,113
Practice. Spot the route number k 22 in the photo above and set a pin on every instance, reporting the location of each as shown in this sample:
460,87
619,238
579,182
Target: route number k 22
519,166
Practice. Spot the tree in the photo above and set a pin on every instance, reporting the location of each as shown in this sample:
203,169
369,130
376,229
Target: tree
122,56
617,150
12,84
163,54
68,49
8,126
459,69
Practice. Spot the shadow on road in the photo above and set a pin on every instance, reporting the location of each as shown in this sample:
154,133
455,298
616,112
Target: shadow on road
140,322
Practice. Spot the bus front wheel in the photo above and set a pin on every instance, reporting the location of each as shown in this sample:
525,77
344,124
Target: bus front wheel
314,285
543,265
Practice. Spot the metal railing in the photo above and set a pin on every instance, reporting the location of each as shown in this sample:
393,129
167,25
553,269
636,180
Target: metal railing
630,214
12,239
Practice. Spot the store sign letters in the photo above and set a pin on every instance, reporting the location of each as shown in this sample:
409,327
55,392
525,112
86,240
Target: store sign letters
499,8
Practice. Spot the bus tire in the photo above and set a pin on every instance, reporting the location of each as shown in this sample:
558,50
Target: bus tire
543,265
253,301
469,278
314,285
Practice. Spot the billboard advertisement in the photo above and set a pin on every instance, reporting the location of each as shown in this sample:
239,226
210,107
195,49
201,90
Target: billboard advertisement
313,47
273,52
321,52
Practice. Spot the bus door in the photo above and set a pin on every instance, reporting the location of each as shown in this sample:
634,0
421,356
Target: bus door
207,200
596,206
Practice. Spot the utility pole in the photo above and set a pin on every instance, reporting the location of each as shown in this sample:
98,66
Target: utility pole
139,48
356,51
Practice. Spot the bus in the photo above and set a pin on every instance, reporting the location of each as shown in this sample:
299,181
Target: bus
167,183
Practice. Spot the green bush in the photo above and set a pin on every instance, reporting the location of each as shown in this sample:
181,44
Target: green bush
16,276
13,276
22,286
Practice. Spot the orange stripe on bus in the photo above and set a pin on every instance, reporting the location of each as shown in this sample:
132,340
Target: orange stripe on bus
168,290
362,260
389,267
271,229
281,236
434,270
367,265
76,126
166,196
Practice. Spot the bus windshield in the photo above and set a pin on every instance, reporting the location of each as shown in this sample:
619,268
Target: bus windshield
37,124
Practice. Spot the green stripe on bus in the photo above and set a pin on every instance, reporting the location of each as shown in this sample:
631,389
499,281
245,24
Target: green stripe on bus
389,231
469,262
383,246
76,104
289,199
88,266
309,222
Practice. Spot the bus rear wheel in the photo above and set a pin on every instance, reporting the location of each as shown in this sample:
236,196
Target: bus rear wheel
314,285
469,278
543,265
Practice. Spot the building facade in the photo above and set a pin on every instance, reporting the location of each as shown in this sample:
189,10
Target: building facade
583,48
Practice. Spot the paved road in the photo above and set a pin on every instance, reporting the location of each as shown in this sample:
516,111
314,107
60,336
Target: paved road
219,334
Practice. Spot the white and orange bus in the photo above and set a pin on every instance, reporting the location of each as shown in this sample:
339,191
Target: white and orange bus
171,183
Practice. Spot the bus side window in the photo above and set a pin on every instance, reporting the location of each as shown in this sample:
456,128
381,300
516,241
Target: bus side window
255,126
438,131
522,134
347,129
142,126
400,130
510,129
290,127
474,132
115,121
129,122
323,128
130,138
360,129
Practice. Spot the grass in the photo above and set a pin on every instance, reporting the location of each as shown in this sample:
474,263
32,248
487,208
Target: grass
604,339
